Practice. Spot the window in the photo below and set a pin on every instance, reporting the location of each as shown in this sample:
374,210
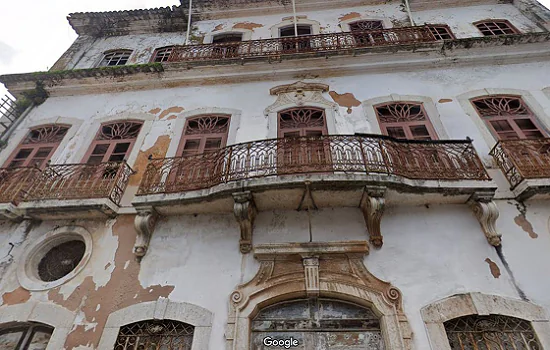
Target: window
306,121
115,58
441,31
227,38
496,27
365,25
38,146
162,54
227,45
25,336
405,120
303,29
318,324
60,260
492,332
157,334
204,134
113,142
508,117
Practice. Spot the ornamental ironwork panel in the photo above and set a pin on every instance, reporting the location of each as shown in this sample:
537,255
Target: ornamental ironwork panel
501,106
153,335
321,43
81,181
523,159
369,154
295,118
400,112
211,124
492,332
15,182
318,324
46,134
119,131
366,25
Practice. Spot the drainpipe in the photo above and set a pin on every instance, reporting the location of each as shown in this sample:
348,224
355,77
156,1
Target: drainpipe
295,18
408,6
189,22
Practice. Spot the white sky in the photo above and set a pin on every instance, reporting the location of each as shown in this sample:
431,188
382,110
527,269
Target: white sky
35,33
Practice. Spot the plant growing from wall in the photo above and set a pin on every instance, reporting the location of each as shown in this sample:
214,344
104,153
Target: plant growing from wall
36,97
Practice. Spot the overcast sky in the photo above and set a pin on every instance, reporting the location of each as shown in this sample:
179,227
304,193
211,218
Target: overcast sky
35,33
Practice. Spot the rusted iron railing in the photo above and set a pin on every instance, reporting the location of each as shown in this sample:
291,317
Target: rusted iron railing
81,181
8,114
14,183
523,159
368,154
321,43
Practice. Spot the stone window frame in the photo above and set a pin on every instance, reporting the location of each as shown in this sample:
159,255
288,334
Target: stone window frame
163,308
21,133
315,26
246,34
429,107
33,252
58,317
181,121
345,23
437,313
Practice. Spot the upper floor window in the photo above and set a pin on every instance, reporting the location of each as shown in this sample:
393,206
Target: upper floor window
318,324
366,25
38,146
405,120
227,38
508,117
204,134
496,27
25,336
441,31
115,58
162,54
302,121
113,142
155,334
492,332
303,29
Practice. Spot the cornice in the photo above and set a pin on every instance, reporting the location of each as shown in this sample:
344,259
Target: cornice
522,48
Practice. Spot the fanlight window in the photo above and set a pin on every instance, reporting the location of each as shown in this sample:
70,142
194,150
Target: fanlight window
204,134
303,29
25,336
318,324
38,146
441,31
365,25
405,120
496,27
491,333
163,334
306,121
60,260
508,117
115,58
162,54
227,38
113,142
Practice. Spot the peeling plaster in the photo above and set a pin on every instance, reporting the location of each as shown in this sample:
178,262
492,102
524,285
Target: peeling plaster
345,100
521,221
171,110
18,296
445,100
158,150
350,15
247,25
495,270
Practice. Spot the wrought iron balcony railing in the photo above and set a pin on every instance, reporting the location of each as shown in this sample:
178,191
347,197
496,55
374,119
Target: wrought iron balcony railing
322,43
15,182
368,154
8,114
523,159
81,181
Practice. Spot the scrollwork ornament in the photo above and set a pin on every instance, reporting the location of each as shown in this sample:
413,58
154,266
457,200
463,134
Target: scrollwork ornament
487,214
236,297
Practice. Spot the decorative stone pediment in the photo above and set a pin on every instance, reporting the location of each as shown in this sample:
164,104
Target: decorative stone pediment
309,270
299,94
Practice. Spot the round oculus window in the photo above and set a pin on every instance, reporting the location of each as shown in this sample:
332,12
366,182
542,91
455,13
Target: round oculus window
60,260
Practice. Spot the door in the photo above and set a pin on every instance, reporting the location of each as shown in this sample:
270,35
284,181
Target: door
293,44
367,33
227,45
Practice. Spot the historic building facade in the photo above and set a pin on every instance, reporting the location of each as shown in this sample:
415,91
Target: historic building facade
268,173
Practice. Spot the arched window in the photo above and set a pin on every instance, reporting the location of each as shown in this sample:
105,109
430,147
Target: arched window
228,45
318,324
495,27
113,142
492,332
359,26
25,336
162,54
115,58
302,121
405,120
508,117
155,334
38,146
204,134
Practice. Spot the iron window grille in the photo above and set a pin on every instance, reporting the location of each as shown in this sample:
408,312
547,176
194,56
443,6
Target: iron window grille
366,25
25,336
115,58
496,27
155,334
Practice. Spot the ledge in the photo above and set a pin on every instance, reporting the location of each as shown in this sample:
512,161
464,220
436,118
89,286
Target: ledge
262,251
69,209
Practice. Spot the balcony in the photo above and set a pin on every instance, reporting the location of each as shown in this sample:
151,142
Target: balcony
526,165
14,184
76,191
325,171
306,45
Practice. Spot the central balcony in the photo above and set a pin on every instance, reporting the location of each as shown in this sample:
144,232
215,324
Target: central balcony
305,45
526,165
327,171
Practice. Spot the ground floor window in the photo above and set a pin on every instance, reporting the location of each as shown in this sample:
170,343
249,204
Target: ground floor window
25,336
155,334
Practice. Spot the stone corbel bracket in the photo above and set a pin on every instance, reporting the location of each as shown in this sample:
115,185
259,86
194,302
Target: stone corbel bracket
372,205
144,223
245,213
486,212
311,270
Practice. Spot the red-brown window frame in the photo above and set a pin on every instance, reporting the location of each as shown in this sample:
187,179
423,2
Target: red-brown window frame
112,142
366,20
203,137
441,26
496,21
156,52
406,124
36,146
519,132
302,130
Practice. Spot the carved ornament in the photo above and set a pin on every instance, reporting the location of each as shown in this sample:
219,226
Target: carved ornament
373,205
299,94
144,223
487,213
245,213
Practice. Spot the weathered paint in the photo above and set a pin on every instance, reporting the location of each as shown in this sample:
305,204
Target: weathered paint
345,100
495,270
158,150
170,110
18,296
521,221
247,25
